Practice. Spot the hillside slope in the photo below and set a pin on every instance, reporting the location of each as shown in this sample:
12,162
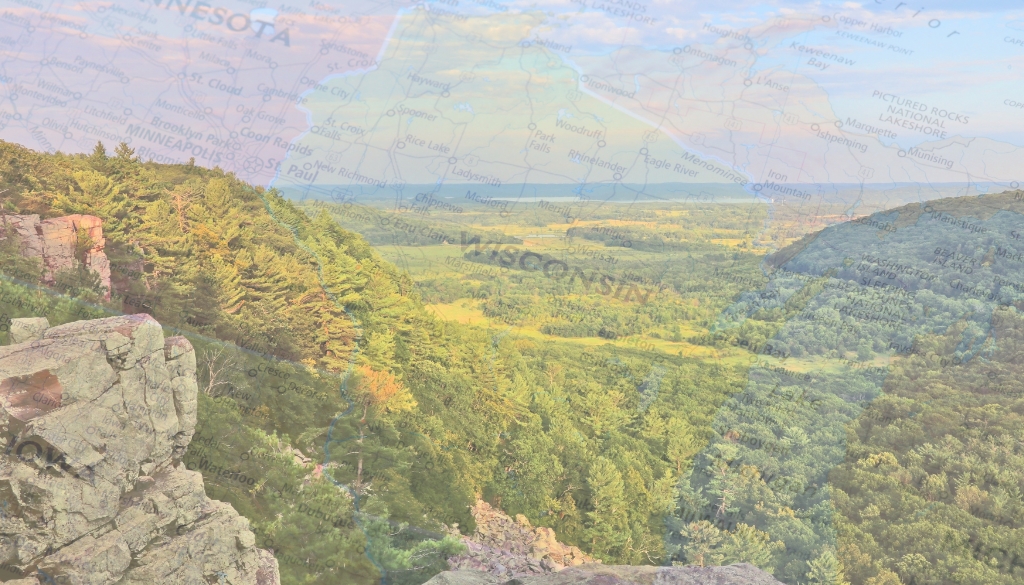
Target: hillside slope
368,424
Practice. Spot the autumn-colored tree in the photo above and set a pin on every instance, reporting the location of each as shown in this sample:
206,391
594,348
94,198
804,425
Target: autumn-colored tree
375,390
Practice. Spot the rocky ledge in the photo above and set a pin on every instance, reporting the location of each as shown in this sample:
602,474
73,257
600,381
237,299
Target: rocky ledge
511,548
95,418
741,574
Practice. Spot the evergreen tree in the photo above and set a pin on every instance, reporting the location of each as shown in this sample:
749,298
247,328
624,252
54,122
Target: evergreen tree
681,445
749,545
607,522
826,569
702,540
124,152
406,566
94,193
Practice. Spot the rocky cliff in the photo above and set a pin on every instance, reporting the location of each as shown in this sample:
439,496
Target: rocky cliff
512,548
54,242
504,551
741,574
94,419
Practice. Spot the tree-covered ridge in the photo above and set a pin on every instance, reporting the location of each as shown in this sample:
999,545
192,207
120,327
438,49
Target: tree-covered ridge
931,489
399,419
839,311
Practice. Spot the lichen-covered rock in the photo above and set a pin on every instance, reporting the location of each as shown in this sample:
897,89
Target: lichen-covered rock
740,574
24,330
95,417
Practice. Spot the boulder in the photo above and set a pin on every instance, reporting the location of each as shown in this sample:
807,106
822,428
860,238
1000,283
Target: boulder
94,418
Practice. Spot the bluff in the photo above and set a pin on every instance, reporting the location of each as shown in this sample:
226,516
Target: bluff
95,417
55,241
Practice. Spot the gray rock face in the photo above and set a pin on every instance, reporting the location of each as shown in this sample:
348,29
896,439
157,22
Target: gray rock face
94,418
741,574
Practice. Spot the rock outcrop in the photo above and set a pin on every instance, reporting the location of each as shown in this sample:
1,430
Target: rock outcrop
504,551
512,548
95,418
741,574
54,240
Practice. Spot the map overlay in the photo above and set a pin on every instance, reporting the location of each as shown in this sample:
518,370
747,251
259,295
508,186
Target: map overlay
533,142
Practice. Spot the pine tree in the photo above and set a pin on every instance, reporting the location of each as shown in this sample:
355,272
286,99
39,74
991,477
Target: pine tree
702,539
223,274
182,197
93,193
749,545
125,152
608,523
681,446
826,570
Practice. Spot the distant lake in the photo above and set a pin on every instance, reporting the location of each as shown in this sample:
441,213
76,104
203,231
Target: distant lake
623,201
